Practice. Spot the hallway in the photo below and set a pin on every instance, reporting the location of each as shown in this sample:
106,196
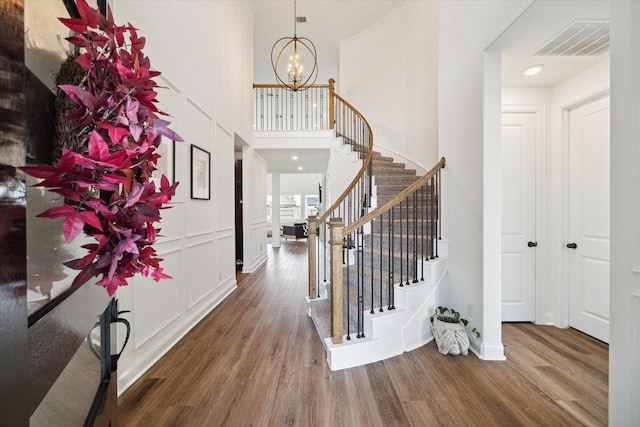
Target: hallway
257,360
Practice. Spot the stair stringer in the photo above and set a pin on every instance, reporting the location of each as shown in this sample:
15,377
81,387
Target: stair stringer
393,332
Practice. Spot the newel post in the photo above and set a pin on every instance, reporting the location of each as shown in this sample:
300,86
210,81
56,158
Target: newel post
312,239
331,103
335,229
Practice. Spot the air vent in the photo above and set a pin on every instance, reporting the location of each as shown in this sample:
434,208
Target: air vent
301,19
581,38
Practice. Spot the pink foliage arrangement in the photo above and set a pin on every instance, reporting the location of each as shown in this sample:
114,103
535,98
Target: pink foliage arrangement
108,188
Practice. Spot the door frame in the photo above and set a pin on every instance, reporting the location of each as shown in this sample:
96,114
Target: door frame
566,106
540,199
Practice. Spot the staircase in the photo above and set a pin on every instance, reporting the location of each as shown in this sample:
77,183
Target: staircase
397,315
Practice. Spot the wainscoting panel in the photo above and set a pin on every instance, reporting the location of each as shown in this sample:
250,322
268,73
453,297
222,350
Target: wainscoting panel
225,260
200,271
156,305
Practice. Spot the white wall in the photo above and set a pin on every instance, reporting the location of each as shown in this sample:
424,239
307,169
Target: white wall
208,73
389,73
466,29
298,183
624,348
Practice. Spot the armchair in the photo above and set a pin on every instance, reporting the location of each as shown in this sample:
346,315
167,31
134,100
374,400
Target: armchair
296,231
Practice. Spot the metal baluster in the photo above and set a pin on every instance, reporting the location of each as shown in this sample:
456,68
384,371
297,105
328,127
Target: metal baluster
390,255
348,271
360,284
372,249
432,215
422,220
401,255
407,243
415,236
438,196
381,223
392,294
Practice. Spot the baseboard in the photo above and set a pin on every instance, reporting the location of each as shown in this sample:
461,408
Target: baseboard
258,262
495,352
417,340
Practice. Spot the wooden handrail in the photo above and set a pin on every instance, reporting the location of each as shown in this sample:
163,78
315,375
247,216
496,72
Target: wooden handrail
362,170
395,199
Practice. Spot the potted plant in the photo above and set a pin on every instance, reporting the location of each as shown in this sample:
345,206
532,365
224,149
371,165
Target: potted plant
450,331
105,178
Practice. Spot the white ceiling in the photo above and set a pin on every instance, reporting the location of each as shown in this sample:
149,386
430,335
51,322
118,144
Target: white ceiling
541,22
311,160
330,21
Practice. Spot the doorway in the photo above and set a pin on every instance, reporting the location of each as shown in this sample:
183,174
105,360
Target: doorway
238,215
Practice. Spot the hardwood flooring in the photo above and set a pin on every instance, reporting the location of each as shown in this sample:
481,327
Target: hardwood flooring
256,360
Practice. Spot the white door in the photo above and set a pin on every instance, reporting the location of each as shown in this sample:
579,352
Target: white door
588,245
518,216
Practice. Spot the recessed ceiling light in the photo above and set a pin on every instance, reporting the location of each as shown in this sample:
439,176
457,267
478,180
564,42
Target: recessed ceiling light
299,168
294,157
533,70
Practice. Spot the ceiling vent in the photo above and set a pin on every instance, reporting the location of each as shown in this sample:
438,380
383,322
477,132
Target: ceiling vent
301,19
581,38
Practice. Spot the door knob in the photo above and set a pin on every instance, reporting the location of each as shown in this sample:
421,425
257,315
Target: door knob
572,246
532,244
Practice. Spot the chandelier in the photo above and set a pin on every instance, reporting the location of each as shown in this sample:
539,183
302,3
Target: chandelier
298,50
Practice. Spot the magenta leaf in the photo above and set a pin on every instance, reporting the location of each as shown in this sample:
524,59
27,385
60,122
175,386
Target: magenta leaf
57,212
72,226
79,96
158,274
83,277
98,148
92,219
162,129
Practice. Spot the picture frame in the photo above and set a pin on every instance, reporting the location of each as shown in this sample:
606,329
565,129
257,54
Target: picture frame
166,162
200,173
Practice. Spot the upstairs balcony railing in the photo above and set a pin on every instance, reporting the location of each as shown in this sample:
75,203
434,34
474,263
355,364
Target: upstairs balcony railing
278,109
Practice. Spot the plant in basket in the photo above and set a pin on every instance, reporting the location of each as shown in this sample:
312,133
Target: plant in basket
106,178
449,331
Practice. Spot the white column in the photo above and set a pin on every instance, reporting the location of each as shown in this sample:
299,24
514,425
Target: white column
624,341
492,348
275,210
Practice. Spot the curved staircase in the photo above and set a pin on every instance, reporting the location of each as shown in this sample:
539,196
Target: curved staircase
397,319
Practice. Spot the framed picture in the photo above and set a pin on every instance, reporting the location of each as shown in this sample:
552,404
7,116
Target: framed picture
166,162
200,173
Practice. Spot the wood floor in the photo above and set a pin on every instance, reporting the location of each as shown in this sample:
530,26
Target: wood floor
256,360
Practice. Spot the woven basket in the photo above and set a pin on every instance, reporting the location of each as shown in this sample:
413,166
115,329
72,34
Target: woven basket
71,73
